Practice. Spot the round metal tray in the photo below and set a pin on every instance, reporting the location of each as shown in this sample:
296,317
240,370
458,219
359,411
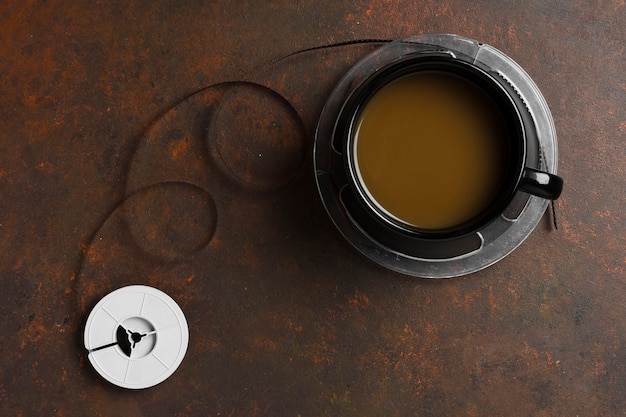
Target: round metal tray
455,257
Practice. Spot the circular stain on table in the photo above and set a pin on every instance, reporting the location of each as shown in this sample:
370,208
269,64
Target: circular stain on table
171,221
257,137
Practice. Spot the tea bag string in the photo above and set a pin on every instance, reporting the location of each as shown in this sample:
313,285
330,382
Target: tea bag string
554,215
552,206
333,45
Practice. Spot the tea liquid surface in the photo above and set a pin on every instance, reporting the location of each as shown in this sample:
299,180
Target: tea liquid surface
432,149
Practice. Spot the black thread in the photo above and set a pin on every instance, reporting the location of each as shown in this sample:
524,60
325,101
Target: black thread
334,45
542,160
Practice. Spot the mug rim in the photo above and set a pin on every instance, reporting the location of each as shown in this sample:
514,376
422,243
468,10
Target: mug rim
354,105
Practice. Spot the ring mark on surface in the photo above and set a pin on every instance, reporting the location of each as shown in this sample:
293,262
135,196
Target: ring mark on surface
257,137
171,221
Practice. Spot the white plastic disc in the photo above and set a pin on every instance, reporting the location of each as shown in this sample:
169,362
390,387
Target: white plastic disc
136,337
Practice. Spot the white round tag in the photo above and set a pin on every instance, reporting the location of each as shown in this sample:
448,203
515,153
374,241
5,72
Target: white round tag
136,337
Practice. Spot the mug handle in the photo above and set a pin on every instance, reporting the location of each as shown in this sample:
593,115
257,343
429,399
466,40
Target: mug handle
541,184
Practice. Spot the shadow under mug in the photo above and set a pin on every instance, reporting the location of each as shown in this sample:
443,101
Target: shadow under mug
373,216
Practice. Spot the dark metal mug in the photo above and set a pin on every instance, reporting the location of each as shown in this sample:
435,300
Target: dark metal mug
518,176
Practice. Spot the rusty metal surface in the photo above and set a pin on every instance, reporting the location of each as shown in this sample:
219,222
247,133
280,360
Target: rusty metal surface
167,144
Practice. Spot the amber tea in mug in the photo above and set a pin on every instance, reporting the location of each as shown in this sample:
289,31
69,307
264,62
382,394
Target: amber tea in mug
431,149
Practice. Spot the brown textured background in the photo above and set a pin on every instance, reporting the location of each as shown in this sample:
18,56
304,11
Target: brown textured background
113,172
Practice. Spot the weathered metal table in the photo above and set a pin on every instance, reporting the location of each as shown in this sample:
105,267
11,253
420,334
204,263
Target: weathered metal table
168,144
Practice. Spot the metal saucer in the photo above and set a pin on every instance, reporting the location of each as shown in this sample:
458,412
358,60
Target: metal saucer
491,243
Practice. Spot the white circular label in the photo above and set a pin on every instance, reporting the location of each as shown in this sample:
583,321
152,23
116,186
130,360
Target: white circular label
136,337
